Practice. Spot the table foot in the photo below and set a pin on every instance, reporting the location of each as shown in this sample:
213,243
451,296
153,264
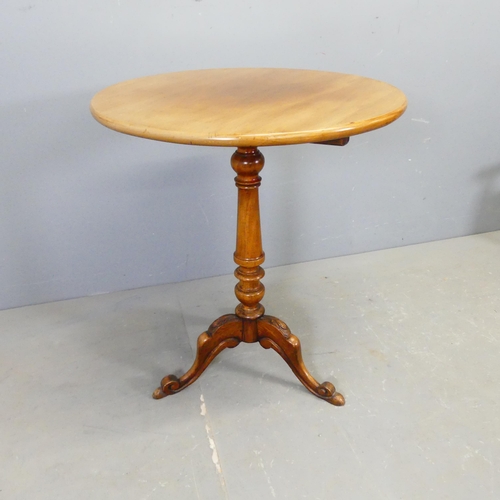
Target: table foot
274,333
225,331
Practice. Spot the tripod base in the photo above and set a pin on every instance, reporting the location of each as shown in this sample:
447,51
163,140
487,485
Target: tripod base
229,331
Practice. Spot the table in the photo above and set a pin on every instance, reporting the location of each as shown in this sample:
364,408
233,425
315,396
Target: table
248,108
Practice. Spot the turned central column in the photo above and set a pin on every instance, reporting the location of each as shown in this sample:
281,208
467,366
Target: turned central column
247,163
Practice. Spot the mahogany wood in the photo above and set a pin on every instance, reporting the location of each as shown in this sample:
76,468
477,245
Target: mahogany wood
335,142
249,108
249,324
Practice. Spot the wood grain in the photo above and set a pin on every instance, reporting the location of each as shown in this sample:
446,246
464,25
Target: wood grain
249,324
248,106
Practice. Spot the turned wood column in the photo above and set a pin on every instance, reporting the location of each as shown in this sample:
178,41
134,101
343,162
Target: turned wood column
247,163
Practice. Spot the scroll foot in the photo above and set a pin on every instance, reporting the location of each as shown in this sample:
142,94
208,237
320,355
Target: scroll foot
274,333
225,331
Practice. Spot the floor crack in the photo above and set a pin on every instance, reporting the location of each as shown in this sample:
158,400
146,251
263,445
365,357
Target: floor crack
213,447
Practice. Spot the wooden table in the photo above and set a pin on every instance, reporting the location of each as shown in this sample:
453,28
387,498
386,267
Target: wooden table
248,108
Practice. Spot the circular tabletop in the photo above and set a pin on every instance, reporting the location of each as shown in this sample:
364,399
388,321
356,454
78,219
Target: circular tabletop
248,106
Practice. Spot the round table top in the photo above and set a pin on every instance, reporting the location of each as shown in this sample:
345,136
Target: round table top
248,106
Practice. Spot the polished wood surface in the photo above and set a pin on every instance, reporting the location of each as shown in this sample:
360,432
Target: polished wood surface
249,323
248,106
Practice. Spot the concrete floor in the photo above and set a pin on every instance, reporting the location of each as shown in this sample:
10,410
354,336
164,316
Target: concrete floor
410,336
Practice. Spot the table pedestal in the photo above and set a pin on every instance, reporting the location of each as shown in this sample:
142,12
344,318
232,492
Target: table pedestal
249,323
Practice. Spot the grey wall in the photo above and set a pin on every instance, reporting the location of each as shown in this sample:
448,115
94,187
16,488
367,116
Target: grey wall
85,210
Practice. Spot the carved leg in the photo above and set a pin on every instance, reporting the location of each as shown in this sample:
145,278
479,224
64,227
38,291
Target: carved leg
272,332
225,331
